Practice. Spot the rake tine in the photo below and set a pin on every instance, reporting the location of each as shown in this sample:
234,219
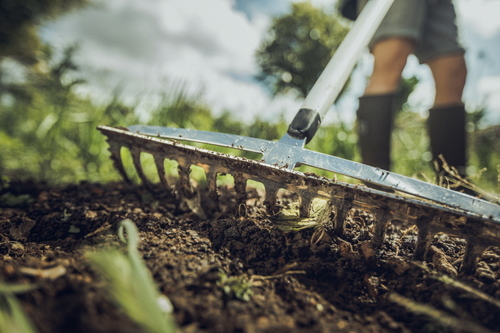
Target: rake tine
474,249
343,206
114,149
472,253
271,195
306,199
211,198
240,186
189,194
185,181
136,158
424,237
382,218
212,185
160,168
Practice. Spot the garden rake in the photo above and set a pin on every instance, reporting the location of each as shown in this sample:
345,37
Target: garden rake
431,208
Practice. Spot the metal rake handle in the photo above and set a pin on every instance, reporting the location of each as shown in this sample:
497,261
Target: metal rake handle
336,73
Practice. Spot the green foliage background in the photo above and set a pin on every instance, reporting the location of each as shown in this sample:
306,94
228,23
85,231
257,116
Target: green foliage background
48,132
298,46
19,21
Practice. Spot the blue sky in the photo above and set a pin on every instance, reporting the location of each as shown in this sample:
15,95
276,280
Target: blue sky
251,8
146,47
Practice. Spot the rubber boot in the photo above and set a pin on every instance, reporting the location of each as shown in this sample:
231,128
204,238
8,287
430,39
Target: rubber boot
375,122
446,126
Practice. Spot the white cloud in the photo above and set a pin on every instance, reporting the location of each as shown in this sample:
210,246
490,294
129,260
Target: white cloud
139,45
490,89
490,84
481,34
481,15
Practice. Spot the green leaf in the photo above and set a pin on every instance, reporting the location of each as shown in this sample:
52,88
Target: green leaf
12,317
130,284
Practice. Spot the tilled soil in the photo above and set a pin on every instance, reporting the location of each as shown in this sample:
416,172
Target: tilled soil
306,281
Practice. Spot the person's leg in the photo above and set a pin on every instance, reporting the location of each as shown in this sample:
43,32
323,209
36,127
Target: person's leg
449,72
390,56
441,50
375,113
447,118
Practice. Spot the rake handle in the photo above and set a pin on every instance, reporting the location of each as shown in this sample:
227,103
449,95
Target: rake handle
333,78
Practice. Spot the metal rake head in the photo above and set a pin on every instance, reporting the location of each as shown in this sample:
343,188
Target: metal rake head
430,219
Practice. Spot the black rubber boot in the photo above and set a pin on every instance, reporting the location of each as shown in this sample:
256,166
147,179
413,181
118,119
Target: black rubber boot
448,137
375,122
447,134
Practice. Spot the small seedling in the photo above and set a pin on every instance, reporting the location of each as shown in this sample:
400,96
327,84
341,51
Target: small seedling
11,200
8,199
130,284
238,287
12,317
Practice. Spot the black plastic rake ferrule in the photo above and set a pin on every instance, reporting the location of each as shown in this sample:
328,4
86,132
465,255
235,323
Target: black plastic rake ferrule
305,124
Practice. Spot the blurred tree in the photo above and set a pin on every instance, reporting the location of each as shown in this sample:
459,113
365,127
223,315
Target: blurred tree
225,123
41,120
298,47
263,130
19,21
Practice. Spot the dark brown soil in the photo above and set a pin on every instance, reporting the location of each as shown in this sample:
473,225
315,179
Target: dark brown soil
300,282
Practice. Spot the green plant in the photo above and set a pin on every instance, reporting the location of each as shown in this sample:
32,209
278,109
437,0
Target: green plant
297,47
8,199
235,287
12,316
130,284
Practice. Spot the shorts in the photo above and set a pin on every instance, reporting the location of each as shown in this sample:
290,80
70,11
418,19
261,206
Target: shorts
430,23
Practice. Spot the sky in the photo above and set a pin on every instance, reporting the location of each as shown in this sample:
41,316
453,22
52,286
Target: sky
145,48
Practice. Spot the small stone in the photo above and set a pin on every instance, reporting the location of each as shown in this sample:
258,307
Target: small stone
16,248
232,232
22,231
90,214
399,265
441,262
